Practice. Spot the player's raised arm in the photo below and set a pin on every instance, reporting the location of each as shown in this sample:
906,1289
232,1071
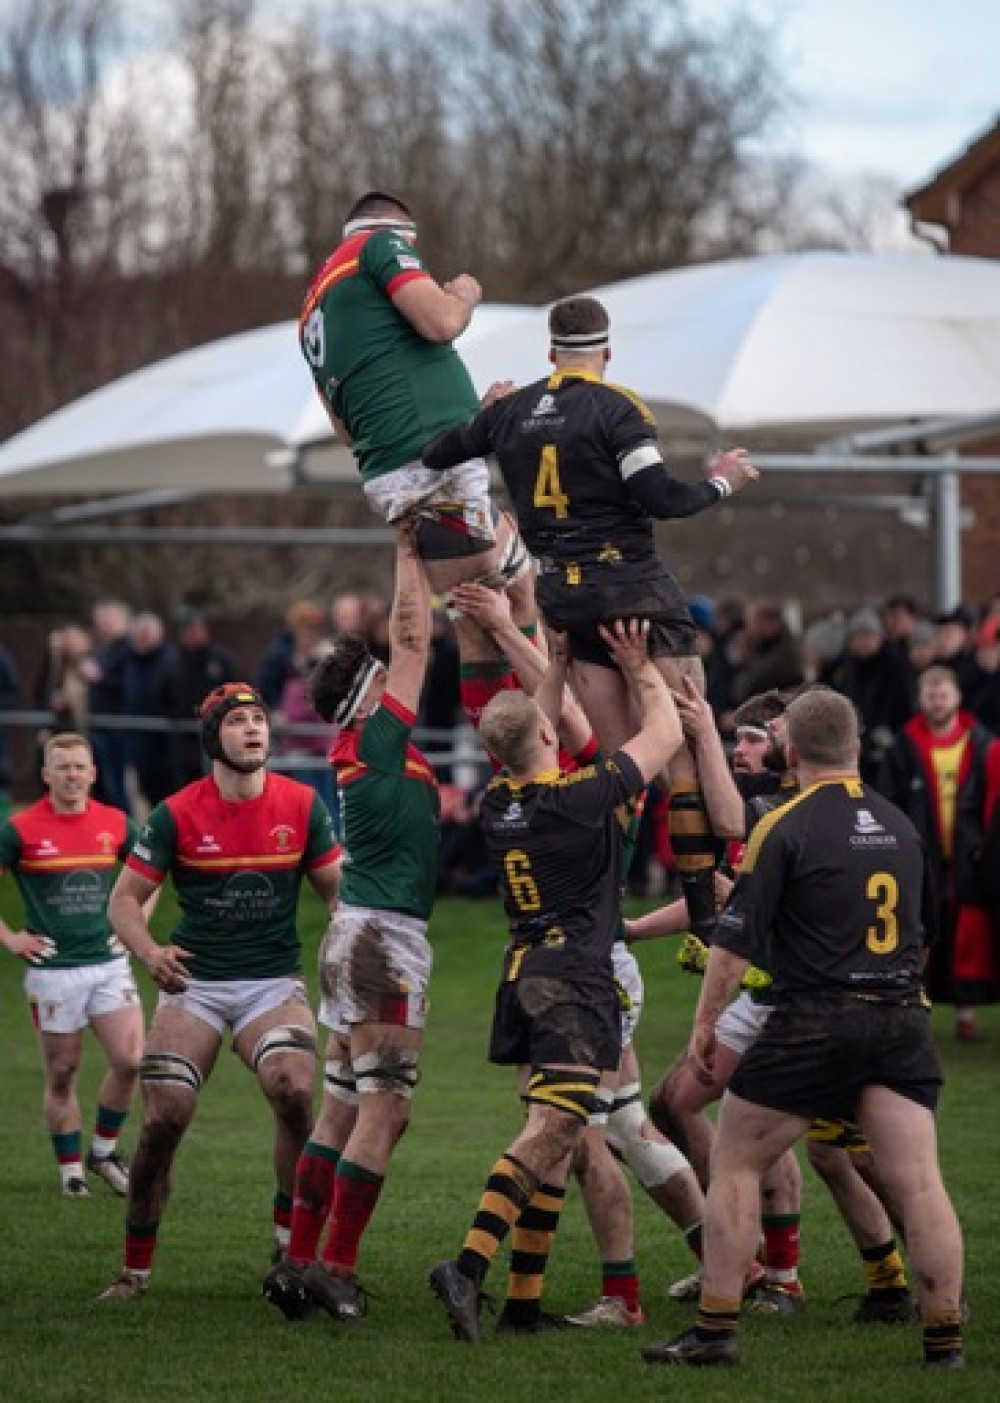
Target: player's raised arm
410,623
439,312
660,734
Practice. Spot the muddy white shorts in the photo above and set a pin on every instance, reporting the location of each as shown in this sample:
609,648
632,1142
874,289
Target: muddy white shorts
374,967
464,488
628,982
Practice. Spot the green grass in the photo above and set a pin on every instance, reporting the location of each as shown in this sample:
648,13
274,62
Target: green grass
205,1333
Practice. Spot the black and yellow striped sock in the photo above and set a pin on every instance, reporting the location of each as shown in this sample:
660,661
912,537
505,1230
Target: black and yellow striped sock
942,1335
717,1317
695,852
530,1246
509,1188
883,1268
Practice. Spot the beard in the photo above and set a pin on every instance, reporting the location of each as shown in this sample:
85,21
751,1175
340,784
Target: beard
775,759
243,767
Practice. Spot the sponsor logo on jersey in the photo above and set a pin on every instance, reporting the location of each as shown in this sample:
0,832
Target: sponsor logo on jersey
869,833
407,260
545,405
866,822
208,844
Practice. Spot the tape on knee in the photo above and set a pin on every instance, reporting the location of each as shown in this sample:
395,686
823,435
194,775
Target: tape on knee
603,1101
170,1069
651,1161
289,1037
572,1092
339,1082
395,1070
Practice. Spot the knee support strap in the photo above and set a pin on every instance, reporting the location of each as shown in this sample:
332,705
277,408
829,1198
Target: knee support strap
651,1161
288,1037
603,1102
395,1070
170,1069
339,1082
572,1092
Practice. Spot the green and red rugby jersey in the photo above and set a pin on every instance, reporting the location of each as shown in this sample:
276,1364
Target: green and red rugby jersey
392,388
237,867
65,866
390,814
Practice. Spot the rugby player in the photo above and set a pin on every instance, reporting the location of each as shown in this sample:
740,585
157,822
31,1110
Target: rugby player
376,959
237,845
587,480
64,853
557,843
839,880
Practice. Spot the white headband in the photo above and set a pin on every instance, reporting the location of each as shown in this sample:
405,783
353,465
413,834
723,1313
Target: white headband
579,341
401,225
368,670
752,733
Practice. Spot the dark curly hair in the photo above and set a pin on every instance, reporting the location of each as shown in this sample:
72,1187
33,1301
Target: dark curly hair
333,676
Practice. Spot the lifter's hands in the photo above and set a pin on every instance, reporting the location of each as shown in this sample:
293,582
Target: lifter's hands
627,642
733,465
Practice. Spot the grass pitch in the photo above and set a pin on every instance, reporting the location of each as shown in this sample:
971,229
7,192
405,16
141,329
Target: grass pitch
204,1332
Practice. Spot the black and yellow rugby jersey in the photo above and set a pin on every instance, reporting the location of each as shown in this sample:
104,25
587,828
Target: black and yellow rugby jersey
557,844
838,880
568,448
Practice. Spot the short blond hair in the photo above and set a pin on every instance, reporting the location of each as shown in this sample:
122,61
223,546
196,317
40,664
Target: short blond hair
823,728
65,740
508,728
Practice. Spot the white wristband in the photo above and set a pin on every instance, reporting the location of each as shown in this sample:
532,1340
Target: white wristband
725,487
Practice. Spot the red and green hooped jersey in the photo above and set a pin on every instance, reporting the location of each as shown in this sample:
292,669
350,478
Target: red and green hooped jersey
65,866
390,813
393,389
237,867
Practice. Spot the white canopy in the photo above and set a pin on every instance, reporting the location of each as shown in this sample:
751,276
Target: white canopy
789,348
795,346
202,421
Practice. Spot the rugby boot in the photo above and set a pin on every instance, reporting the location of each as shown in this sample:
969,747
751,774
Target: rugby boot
343,1297
888,1307
461,1298
608,1313
284,1287
112,1169
689,1349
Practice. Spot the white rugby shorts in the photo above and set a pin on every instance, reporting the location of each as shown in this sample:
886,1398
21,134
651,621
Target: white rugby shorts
740,1024
66,1000
374,967
628,982
235,1003
406,489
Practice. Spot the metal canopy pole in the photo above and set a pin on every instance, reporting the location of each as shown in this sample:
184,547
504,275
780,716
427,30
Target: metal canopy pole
945,512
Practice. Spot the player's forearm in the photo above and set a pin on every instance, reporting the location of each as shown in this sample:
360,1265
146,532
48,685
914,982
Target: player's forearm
660,733
549,694
410,623
666,498
723,974
449,449
665,920
726,810
128,923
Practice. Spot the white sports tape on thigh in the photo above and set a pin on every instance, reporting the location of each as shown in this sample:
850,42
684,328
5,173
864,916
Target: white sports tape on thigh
651,1161
289,1037
395,1070
338,1081
170,1069
605,1100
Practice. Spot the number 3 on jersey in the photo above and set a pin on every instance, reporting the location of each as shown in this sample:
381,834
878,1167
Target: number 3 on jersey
883,889
548,488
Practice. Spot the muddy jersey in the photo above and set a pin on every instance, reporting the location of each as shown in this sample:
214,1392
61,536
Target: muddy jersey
392,388
837,878
567,447
65,866
237,868
389,814
557,844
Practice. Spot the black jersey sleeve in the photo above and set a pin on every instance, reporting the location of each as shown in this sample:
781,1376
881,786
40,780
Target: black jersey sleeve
666,497
754,900
588,795
470,440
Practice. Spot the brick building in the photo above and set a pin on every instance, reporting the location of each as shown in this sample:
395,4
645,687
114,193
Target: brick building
958,209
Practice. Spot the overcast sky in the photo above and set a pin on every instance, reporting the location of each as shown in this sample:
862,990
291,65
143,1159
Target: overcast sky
897,87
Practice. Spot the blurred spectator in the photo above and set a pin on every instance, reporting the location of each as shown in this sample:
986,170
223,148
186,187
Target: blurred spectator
977,930
464,864
934,771
64,686
197,665
147,663
953,637
900,615
305,626
879,683
10,697
920,650
726,657
822,648
308,753
106,674
771,653
981,694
